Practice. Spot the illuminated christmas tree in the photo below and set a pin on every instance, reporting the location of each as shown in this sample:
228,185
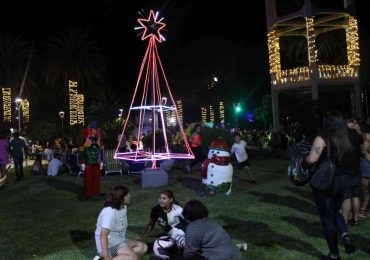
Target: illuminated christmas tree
151,102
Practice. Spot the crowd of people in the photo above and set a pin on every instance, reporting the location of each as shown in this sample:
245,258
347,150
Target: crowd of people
338,208
49,159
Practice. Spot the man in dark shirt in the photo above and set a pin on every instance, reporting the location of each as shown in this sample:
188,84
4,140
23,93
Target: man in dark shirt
18,148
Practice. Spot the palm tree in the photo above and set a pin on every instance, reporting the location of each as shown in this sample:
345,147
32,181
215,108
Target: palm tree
103,107
73,54
14,54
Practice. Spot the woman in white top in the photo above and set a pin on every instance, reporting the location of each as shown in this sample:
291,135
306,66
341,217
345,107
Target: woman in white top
110,233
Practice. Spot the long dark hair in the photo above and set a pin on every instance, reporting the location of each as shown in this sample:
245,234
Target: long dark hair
116,196
335,128
169,193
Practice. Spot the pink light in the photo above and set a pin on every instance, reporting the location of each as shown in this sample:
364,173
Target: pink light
151,26
152,100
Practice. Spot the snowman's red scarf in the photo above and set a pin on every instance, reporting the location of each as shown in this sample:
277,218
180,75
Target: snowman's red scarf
218,160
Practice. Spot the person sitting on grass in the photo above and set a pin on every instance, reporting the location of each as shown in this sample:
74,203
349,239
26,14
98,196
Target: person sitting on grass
37,169
239,149
110,233
55,165
206,239
168,216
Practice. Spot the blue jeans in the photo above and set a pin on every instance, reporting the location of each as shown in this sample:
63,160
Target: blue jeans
332,220
18,165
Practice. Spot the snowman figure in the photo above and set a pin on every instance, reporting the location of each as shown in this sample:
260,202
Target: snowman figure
217,171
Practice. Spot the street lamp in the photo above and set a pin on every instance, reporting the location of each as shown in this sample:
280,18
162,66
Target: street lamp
237,109
18,102
61,114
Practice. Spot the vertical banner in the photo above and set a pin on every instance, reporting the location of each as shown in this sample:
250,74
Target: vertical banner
73,102
80,109
25,110
7,104
179,111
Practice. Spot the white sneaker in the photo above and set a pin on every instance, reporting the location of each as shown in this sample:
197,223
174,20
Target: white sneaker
242,246
97,257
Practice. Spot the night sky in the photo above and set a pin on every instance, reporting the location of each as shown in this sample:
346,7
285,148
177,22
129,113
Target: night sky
204,39
199,33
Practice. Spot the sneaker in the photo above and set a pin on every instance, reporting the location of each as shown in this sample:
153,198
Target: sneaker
362,213
97,257
353,223
242,246
348,246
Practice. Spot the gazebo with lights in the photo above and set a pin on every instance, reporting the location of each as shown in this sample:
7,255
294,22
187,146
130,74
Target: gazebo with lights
309,22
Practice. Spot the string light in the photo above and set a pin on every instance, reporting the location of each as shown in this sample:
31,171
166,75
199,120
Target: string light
311,41
274,52
222,112
152,99
76,104
179,110
7,104
73,102
204,114
25,110
336,71
300,74
80,109
211,114
353,49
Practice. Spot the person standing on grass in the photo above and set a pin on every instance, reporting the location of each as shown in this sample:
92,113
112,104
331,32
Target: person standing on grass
195,141
4,153
365,173
345,152
239,149
111,226
18,148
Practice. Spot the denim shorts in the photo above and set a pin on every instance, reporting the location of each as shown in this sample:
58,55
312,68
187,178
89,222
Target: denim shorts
365,167
348,186
113,251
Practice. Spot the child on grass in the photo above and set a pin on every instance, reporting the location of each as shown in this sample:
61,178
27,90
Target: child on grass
239,149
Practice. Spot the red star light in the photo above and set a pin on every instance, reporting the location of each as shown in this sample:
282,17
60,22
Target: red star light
151,26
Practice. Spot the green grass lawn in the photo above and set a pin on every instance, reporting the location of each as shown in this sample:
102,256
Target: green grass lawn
43,218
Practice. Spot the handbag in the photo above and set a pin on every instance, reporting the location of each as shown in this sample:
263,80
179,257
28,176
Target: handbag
323,176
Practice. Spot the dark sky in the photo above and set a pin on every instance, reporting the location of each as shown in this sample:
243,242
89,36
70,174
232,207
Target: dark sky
204,38
197,31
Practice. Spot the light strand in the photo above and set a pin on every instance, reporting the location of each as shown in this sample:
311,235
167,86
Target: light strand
7,104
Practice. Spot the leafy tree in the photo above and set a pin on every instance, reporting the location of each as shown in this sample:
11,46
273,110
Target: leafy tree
263,113
73,54
14,53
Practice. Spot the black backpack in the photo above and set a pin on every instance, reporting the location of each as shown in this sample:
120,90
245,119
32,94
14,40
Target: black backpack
299,172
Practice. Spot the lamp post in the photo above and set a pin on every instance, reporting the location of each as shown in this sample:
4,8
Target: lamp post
237,109
61,114
18,102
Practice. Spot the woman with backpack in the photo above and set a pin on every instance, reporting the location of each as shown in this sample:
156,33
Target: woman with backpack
344,146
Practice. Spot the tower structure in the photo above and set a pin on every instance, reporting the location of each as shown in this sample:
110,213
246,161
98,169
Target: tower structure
153,102
309,22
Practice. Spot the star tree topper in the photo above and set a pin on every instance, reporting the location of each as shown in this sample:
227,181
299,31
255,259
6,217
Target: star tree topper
152,27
